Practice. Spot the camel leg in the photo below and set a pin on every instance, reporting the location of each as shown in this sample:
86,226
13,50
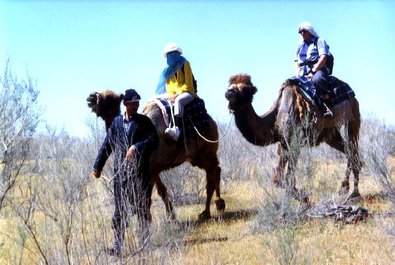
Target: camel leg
350,149
353,155
338,143
213,177
219,202
162,192
278,174
290,179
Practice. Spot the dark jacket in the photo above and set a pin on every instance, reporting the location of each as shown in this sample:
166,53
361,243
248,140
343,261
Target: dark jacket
141,133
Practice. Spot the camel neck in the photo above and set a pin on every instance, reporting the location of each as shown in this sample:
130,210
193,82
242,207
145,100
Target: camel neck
258,130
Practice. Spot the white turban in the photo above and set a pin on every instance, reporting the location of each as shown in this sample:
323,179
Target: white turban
307,26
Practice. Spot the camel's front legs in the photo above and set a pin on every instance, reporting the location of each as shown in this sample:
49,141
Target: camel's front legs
288,159
278,175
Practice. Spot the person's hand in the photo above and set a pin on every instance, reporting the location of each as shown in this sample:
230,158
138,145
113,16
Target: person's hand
130,153
95,174
173,97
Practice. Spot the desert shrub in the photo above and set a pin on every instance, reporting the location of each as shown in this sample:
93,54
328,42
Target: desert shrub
185,184
241,160
376,147
19,115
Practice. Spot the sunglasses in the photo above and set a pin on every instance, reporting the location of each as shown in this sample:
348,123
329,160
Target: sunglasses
302,31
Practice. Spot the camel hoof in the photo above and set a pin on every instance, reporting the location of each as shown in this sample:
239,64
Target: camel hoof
344,188
302,197
277,180
204,216
299,195
353,195
220,203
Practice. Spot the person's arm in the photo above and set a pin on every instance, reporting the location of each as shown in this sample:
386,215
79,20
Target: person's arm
185,79
297,65
321,62
103,154
323,51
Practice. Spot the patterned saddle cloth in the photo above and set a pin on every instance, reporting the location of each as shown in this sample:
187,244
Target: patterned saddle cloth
195,115
338,91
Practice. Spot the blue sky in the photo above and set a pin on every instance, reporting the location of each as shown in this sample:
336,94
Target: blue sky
72,48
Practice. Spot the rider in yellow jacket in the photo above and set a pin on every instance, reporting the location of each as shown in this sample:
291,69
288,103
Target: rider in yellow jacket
181,82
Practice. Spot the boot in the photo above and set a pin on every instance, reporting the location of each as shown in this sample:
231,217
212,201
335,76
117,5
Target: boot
325,109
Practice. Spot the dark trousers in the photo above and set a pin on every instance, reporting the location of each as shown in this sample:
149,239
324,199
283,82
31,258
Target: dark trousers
320,81
132,191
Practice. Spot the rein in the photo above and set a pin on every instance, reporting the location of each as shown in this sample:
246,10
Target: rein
208,140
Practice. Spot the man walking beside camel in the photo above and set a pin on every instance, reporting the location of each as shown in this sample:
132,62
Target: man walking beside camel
132,137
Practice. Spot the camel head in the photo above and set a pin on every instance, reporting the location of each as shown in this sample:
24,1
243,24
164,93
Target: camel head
240,91
106,104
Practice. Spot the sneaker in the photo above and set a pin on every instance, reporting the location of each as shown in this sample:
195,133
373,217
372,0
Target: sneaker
173,133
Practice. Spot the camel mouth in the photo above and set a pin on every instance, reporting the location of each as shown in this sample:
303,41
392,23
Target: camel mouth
231,96
92,100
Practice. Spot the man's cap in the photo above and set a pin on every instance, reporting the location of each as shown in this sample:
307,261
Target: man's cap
131,96
171,47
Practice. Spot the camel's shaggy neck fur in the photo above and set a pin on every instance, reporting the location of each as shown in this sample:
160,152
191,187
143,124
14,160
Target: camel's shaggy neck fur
258,130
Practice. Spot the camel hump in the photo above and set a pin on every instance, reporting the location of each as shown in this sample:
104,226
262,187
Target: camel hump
195,114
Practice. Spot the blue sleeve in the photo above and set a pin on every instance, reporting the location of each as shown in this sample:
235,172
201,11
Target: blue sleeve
322,47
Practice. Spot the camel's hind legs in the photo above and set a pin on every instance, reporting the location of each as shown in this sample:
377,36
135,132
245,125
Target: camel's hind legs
162,192
350,149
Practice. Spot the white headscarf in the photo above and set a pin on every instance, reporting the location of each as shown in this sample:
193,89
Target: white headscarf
307,26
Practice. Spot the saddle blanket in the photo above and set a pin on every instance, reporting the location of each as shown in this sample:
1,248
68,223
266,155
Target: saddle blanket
195,114
338,91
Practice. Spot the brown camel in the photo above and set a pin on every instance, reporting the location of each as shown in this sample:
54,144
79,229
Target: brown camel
169,154
289,119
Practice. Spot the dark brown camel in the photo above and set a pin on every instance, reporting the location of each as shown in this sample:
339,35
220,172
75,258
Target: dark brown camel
287,120
195,150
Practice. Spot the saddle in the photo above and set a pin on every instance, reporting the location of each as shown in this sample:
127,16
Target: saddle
337,92
195,116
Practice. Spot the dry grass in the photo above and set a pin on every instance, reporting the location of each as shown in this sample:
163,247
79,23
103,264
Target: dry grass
64,218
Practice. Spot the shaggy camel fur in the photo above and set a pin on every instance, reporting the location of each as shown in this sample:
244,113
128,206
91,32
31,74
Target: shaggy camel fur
195,150
289,119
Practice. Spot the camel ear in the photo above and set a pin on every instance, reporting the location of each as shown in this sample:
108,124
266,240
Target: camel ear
121,96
